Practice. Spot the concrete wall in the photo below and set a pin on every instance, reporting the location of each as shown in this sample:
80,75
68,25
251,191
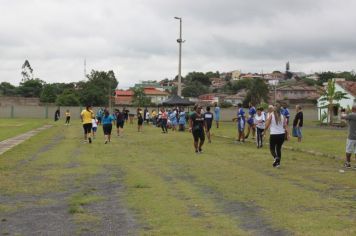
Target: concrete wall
48,112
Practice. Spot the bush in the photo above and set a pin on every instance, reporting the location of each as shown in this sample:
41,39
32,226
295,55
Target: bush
225,104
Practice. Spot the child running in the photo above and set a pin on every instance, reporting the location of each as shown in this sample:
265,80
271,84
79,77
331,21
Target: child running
208,118
67,114
139,120
260,120
107,120
120,121
94,126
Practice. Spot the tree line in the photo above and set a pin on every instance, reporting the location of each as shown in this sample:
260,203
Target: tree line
95,91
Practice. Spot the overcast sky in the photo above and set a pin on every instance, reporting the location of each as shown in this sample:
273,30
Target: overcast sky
137,38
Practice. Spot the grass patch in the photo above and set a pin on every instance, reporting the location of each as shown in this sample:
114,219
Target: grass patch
170,190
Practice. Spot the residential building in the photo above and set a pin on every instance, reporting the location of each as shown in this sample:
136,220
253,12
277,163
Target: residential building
235,75
211,98
125,97
348,87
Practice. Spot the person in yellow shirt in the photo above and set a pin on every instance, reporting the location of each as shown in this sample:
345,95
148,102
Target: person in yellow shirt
86,116
67,114
154,117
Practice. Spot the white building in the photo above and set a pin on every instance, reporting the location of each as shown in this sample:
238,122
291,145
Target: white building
348,87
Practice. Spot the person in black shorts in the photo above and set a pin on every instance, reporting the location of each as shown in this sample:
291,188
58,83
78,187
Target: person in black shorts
139,119
208,118
120,121
197,126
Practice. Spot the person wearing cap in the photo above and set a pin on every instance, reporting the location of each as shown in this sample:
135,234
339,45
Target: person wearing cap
197,125
351,139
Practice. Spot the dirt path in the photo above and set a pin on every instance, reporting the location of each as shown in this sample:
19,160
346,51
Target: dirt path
12,142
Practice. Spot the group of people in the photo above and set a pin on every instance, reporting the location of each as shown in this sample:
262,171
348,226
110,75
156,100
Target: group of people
275,119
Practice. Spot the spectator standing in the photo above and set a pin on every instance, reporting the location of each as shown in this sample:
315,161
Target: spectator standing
351,139
217,111
298,123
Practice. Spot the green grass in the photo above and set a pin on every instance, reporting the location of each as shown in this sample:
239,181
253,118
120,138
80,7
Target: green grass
12,127
172,191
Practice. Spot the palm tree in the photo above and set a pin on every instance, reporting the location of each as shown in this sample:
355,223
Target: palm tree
330,95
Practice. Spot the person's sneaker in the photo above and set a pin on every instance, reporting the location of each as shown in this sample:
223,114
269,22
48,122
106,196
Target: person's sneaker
278,165
89,140
200,150
196,152
347,165
106,141
275,163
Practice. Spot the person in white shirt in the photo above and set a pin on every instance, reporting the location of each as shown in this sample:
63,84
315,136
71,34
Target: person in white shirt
94,127
277,124
260,122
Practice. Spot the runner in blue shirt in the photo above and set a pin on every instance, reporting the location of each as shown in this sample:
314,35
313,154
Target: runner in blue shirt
285,113
107,121
240,123
250,121
182,119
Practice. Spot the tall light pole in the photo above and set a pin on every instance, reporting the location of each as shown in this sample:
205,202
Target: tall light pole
180,41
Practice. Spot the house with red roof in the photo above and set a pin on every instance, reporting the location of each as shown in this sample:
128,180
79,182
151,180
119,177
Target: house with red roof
125,97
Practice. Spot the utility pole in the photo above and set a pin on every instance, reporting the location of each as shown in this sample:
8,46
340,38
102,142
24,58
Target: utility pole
85,68
180,41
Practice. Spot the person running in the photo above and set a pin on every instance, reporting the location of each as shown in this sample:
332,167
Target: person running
217,114
146,115
182,119
351,139
240,123
67,114
107,121
208,118
197,125
94,126
154,117
277,124
164,120
285,113
173,120
126,114
86,116
250,120
57,114
120,121
139,120
99,115
298,123
260,122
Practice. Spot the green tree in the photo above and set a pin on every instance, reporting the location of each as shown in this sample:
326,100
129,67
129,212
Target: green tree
197,77
257,92
330,95
140,99
48,94
67,98
194,89
97,90
31,88
7,89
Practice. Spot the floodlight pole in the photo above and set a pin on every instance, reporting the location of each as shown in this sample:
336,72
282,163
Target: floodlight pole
180,41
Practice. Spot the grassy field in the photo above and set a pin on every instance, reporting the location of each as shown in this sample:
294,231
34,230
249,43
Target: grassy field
154,184
12,127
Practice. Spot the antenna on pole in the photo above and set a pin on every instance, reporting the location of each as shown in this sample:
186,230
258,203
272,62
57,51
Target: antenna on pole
85,68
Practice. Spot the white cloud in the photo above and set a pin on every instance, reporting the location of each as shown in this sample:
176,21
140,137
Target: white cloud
138,37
